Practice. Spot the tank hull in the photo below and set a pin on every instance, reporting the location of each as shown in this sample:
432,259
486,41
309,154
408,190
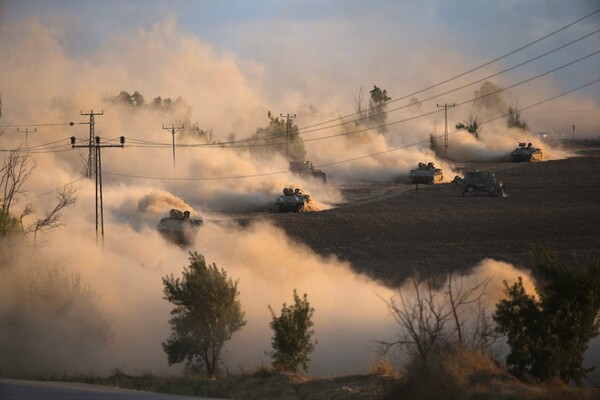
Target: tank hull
181,232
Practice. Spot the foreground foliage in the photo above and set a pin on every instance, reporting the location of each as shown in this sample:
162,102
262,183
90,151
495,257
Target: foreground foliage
206,314
291,341
548,334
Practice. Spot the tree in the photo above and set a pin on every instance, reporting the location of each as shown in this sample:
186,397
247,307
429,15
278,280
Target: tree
377,105
281,136
431,319
206,314
471,125
488,99
15,171
515,119
291,341
549,334
65,197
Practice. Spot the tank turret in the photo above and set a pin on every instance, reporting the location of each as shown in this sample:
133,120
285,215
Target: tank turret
292,200
426,173
526,152
179,228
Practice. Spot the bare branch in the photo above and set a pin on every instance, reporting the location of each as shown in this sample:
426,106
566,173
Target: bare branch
15,171
52,219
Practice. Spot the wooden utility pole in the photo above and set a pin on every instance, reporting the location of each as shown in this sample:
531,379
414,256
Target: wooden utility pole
96,146
446,105
287,132
173,129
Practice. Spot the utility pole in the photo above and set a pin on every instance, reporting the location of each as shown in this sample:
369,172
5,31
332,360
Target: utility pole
91,157
446,105
287,132
173,129
26,135
96,146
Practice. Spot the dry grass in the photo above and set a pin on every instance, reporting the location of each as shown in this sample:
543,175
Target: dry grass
457,373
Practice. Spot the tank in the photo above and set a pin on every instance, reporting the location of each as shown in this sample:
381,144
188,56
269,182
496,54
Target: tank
526,152
479,183
179,228
307,169
426,173
292,200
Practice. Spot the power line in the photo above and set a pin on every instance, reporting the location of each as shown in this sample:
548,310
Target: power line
58,188
173,129
472,69
371,155
97,146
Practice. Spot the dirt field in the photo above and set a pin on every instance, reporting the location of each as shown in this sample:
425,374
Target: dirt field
389,230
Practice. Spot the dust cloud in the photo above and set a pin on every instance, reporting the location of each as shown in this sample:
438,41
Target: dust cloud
350,314
47,84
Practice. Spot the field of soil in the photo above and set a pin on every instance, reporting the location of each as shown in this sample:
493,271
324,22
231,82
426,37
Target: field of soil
387,231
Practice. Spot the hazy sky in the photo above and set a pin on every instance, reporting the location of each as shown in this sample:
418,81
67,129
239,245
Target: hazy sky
321,52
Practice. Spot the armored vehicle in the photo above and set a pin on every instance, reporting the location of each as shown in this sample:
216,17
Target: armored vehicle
306,168
479,183
292,200
526,152
179,228
426,173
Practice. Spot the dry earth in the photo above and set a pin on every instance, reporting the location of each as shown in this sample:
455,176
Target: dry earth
387,231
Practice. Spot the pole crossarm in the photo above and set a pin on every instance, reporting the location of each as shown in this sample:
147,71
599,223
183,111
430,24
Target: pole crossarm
89,171
95,147
173,129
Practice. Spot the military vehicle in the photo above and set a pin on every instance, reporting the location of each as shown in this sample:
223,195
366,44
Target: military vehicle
479,183
426,173
292,200
179,228
306,168
526,152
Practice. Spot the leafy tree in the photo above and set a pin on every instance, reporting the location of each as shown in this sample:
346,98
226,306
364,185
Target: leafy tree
471,125
9,224
206,314
377,105
48,312
132,101
291,340
488,99
281,136
137,100
549,334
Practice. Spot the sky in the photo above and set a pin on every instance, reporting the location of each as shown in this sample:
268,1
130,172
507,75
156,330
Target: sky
232,62
321,53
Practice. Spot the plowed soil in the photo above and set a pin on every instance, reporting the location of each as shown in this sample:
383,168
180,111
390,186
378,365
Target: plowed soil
387,231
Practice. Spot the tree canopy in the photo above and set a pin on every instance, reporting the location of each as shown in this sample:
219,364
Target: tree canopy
377,105
281,136
548,334
207,313
291,341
